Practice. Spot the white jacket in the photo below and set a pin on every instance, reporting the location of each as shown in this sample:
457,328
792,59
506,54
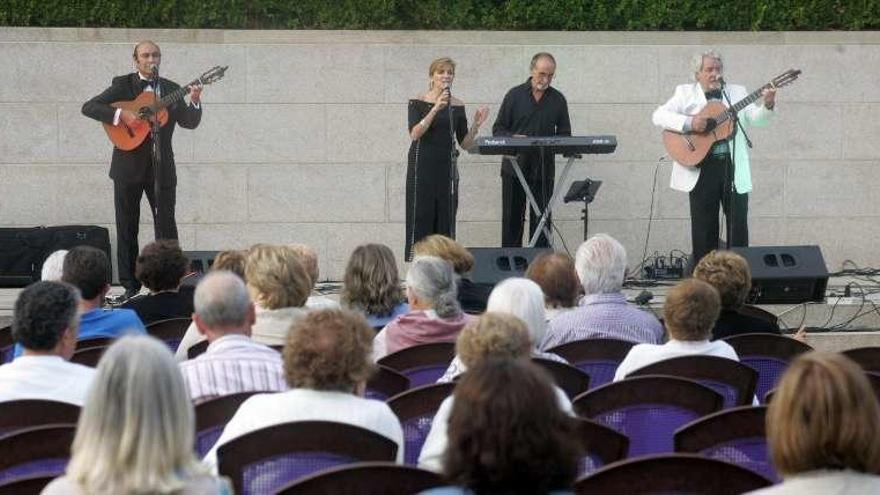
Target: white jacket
688,100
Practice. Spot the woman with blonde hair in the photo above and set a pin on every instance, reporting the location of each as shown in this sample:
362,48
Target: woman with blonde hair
279,286
436,122
822,428
372,285
135,432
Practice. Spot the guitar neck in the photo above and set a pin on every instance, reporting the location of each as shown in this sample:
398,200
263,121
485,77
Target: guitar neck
176,95
741,104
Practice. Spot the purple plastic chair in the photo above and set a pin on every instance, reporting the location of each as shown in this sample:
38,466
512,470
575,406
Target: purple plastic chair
170,331
866,357
21,414
267,459
734,381
365,478
212,416
570,379
415,409
598,358
671,473
601,446
385,383
28,485
768,354
7,345
734,435
422,364
40,450
648,409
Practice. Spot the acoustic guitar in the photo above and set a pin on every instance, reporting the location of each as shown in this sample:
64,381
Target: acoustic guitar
145,106
690,148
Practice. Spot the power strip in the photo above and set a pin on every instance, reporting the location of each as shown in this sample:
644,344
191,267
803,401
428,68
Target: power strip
665,268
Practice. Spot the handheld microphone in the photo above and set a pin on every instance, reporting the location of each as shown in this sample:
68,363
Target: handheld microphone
721,81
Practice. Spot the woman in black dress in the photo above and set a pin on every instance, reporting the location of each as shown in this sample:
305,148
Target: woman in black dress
436,121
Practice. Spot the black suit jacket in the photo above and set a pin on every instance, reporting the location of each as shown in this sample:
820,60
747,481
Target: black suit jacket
135,166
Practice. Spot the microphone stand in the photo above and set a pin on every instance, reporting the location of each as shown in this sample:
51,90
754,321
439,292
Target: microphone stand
453,172
155,129
730,172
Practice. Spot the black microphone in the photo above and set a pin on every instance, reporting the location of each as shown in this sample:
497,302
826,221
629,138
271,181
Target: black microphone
721,81
154,70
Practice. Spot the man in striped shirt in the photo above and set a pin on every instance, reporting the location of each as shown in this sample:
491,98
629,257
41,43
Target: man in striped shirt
233,362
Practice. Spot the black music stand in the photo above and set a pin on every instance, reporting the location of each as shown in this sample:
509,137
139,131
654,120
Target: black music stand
583,190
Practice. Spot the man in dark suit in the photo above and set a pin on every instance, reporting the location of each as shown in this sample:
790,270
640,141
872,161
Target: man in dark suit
134,172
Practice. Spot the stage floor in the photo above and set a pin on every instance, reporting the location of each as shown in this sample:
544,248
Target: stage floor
838,323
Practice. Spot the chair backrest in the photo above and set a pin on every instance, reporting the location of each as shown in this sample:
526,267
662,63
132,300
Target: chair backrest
365,478
170,331
598,358
197,349
212,416
415,409
39,450
94,342
768,354
734,435
570,379
601,445
27,413
422,364
735,381
385,383
28,485
671,473
867,357
264,460
648,409
7,344
89,356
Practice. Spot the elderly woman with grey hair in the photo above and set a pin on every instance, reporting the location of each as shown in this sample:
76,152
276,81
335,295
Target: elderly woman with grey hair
603,312
435,314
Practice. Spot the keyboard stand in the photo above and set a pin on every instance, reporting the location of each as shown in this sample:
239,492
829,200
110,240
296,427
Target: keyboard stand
544,224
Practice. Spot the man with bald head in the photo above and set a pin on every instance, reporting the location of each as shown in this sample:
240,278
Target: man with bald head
133,172
233,362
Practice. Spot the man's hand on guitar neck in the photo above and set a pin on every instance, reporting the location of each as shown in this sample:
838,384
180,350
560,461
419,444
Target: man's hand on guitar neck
769,96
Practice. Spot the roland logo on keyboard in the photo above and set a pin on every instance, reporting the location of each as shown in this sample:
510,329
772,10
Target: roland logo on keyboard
495,141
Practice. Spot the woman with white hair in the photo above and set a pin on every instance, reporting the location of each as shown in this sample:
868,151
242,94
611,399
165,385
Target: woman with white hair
52,266
135,432
522,298
435,313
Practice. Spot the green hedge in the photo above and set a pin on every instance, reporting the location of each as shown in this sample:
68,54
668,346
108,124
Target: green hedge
563,15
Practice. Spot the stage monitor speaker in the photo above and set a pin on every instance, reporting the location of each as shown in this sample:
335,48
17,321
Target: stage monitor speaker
786,274
492,265
200,261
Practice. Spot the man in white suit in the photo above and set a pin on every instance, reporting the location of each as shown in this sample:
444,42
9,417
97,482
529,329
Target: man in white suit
708,184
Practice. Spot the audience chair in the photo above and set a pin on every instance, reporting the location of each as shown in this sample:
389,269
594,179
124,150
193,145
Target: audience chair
422,364
95,342
365,478
170,331
756,312
267,459
212,416
671,473
40,450
7,345
866,357
385,383
598,358
601,445
570,379
28,485
197,349
734,435
20,414
767,354
89,356
735,381
648,409
415,409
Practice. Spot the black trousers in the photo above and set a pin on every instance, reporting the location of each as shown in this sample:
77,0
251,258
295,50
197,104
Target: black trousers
708,195
127,201
514,202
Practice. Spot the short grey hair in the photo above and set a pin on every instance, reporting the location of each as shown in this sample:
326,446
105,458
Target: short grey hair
53,266
222,300
433,279
697,60
539,56
600,263
524,299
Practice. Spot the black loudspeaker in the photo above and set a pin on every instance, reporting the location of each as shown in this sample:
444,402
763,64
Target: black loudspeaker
492,265
23,250
786,274
200,261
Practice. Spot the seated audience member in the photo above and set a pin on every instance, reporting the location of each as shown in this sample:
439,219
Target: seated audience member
279,287
44,323
507,436
372,285
472,296
822,429
88,269
233,363
729,273
435,314
160,267
603,311
327,364
309,259
135,433
522,298
491,336
53,266
555,275
689,313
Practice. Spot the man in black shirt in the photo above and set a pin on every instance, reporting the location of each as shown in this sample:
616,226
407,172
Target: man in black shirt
530,109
